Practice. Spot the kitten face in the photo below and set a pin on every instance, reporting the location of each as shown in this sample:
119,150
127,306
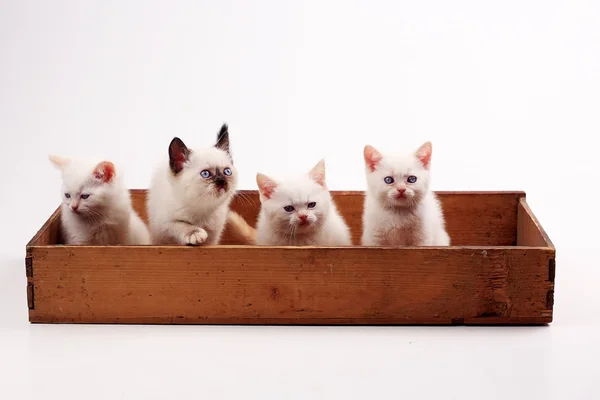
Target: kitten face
296,206
204,174
398,180
86,189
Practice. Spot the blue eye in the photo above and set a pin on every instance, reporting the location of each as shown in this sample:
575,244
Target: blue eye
67,195
411,179
312,204
289,208
389,180
85,196
205,173
227,171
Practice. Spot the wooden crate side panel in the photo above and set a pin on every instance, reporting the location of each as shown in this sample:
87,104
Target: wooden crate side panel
481,219
473,218
49,233
531,233
290,285
529,230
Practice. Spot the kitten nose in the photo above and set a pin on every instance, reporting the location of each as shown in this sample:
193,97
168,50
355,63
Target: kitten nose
74,206
303,217
401,190
220,182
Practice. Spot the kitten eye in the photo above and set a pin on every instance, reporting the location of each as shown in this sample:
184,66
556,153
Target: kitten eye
205,173
85,196
289,208
411,179
389,180
67,195
312,204
227,171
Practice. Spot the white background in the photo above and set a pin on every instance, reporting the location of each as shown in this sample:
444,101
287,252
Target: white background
507,91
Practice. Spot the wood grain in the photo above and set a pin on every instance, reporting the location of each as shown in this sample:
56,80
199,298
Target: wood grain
529,230
49,233
290,285
531,233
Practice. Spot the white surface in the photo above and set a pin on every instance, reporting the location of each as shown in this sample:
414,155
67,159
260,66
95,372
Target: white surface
507,91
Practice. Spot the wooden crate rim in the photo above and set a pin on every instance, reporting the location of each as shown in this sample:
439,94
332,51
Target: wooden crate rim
292,248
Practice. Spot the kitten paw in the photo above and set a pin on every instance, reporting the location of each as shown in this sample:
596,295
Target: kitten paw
195,237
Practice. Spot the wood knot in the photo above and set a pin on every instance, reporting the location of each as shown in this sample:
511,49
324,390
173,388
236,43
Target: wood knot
274,293
496,309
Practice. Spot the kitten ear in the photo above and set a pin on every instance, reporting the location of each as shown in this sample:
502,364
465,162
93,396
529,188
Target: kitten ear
424,154
178,155
317,174
58,161
266,185
372,157
223,139
104,171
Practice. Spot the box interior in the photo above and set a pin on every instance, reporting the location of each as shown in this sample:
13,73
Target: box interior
472,218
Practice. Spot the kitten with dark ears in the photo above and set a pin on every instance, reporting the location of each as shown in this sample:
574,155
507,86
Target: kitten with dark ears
96,206
400,209
190,193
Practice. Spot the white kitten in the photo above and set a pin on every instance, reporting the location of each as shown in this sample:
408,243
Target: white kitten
96,207
399,207
190,193
299,212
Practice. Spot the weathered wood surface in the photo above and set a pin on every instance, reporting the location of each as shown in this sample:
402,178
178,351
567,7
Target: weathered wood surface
290,285
529,230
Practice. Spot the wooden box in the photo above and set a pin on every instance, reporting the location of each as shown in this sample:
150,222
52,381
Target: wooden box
499,270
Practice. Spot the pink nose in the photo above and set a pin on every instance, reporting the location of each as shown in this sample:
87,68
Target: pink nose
401,191
303,217
74,206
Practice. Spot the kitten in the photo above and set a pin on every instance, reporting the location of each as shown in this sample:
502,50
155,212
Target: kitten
190,193
299,212
399,207
96,207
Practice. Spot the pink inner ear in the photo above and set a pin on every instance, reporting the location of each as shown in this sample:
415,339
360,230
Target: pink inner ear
318,178
179,159
105,171
424,154
266,185
372,157
317,174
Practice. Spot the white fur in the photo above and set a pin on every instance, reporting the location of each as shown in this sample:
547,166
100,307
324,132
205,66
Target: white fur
276,226
413,220
106,217
185,208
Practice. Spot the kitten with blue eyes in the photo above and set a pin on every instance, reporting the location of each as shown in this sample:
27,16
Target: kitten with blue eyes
299,212
190,193
400,209
96,207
